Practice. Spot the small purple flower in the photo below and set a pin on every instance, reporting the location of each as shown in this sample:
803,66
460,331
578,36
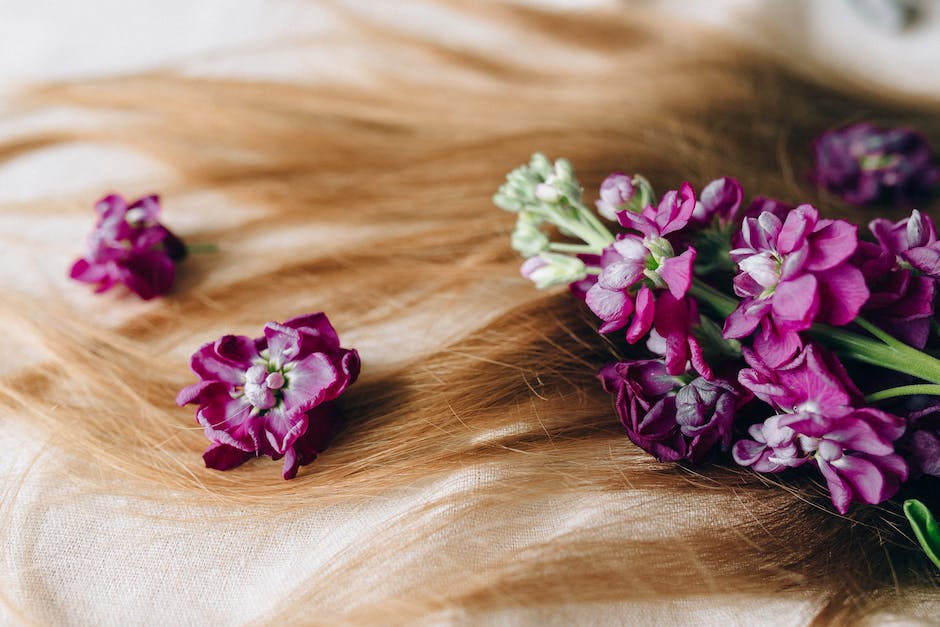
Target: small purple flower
673,322
719,201
913,241
819,423
667,420
634,267
921,443
616,192
130,246
267,396
705,413
901,302
863,164
794,273
762,204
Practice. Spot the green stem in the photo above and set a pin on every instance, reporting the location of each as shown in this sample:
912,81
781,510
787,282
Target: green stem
590,270
574,248
896,356
900,358
717,301
904,390
584,231
880,334
595,223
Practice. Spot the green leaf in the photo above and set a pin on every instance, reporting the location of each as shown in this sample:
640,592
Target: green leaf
925,528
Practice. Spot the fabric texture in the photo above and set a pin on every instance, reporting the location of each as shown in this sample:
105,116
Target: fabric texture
80,559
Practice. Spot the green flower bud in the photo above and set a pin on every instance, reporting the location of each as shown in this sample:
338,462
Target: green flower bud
550,269
527,239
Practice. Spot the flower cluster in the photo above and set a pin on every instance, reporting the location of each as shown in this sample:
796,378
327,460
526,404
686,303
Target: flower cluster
741,316
129,245
270,395
863,164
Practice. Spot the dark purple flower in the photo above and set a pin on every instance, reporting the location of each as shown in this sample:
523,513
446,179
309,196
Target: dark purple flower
792,274
921,443
913,241
130,246
646,408
818,422
901,302
863,164
705,413
667,420
265,396
634,267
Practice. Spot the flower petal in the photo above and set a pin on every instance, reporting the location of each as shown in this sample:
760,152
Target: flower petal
224,457
677,272
796,302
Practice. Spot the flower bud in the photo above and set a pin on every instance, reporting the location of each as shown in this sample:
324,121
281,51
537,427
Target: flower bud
547,192
917,232
550,269
621,192
527,239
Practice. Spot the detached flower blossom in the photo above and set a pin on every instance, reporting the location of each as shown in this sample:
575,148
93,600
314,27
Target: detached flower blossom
668,420
269,395
792,274
634,267
863,164
818,423
129,246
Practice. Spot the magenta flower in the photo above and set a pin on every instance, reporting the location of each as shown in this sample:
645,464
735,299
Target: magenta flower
130,246
633,268
719,202
913,241
863,164
901,302
819,423
617,190
667,420
792,274
672,335
762,204
266,396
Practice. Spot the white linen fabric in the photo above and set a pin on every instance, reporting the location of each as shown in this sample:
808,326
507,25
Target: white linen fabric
72,558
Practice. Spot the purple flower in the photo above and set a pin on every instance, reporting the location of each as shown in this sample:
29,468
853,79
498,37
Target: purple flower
670,422
673,322
616,192
863,164
266,396
719,201
705,413
633,267
792,274
913,241
819,423
901,302
762,204
130,246
921,443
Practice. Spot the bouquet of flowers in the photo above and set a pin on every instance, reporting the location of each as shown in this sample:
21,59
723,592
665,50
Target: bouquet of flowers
762,333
